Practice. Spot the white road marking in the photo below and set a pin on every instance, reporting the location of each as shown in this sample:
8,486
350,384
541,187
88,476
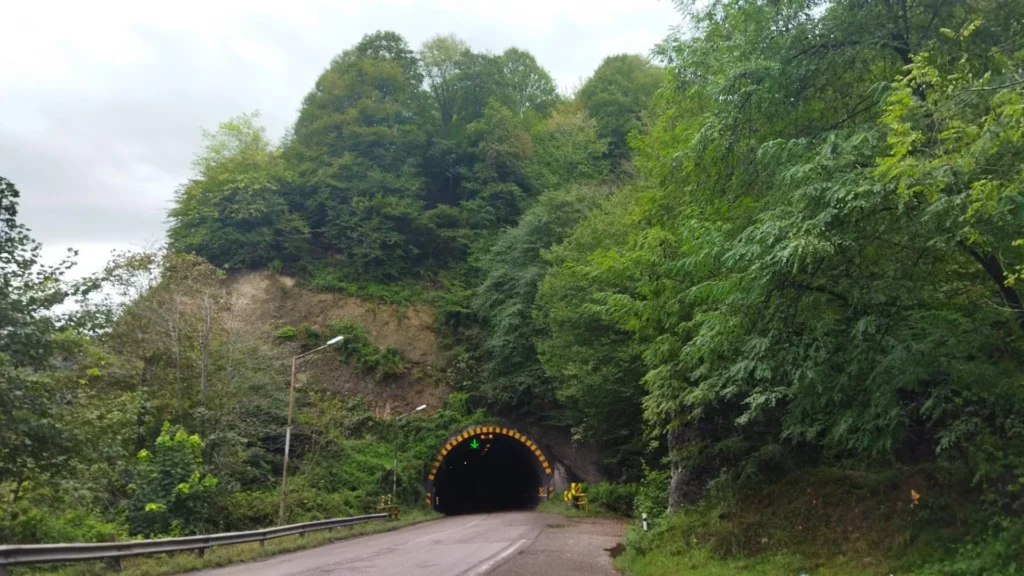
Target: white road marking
490,564
436,534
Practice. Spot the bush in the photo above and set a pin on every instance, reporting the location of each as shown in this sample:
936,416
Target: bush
1001,552
617,498
38,519
173,494
652,495
323,279
286,333
359,349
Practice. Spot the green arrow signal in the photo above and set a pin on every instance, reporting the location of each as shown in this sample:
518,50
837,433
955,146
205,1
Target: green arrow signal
474,444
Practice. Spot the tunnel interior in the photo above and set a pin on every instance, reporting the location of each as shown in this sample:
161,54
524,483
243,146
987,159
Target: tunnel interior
488,472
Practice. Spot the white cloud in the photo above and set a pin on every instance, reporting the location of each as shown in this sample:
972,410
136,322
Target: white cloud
101,103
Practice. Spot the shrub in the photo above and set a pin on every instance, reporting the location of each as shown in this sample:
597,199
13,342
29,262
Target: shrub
323,279
173,495
617,498
286,333
359,349
652,496
997,553
41,518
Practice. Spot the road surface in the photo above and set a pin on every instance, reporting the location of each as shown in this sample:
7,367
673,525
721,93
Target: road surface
505,544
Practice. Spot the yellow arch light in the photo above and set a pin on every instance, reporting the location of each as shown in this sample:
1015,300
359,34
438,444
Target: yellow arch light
478,430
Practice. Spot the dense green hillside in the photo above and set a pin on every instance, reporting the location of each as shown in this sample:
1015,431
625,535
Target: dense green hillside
780,257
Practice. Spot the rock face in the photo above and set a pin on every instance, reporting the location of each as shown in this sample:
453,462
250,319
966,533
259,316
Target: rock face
263,302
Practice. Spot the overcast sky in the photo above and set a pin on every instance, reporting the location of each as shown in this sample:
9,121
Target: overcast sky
101,103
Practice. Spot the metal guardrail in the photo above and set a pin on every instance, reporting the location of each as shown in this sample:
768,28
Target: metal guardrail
61,553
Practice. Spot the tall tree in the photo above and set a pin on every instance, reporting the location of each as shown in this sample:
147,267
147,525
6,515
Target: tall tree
513,378
357,146
234,212
32,441
443,57
620,90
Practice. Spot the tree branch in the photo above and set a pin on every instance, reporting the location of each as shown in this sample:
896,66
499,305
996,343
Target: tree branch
999,87
994,268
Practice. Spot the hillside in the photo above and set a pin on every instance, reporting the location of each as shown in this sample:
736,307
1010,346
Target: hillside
263,302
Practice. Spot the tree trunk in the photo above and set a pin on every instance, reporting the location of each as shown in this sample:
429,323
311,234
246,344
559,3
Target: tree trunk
690,478
204,369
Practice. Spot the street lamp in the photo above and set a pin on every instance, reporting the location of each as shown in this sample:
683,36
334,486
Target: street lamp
394,471
288,430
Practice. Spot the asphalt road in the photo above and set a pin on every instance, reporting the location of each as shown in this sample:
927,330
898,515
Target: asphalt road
505,544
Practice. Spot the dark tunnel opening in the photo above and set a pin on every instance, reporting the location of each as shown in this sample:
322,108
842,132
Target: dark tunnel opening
487,473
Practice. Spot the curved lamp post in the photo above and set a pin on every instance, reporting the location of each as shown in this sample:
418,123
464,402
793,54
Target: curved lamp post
394,471
288,430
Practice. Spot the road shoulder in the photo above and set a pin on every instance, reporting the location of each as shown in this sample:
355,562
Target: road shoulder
568,546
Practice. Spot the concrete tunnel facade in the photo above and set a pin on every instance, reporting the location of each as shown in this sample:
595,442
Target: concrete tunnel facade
488,469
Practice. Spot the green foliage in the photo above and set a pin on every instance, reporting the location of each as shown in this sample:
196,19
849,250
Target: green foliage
324,279
173,494
359,349
232,212
596,363
652,497
512,374
396,164
616,497
286,333
38,513
997,552
616,95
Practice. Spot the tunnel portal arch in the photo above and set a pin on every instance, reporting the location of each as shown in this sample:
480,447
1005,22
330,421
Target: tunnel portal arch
523,460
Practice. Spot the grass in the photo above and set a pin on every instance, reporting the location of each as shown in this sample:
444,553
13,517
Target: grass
163,564
564,509
700,562
822,522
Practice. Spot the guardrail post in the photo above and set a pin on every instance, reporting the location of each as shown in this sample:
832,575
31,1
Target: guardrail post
3,570
201,552
115,562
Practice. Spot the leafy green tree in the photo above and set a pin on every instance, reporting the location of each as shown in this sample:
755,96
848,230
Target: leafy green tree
233,212
525,85
356,147
616,96
568,149
173,494
28,289
794,304
443,57
499,183
512,376
595,362
32,442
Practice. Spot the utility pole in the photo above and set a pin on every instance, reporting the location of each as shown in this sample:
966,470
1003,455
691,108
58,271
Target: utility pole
394,470
288,430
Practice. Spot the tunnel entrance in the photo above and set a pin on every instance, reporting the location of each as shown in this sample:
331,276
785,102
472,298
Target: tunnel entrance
488,469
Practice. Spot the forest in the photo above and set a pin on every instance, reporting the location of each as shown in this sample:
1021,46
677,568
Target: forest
781,253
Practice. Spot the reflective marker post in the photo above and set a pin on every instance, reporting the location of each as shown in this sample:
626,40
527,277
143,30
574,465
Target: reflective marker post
645,521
